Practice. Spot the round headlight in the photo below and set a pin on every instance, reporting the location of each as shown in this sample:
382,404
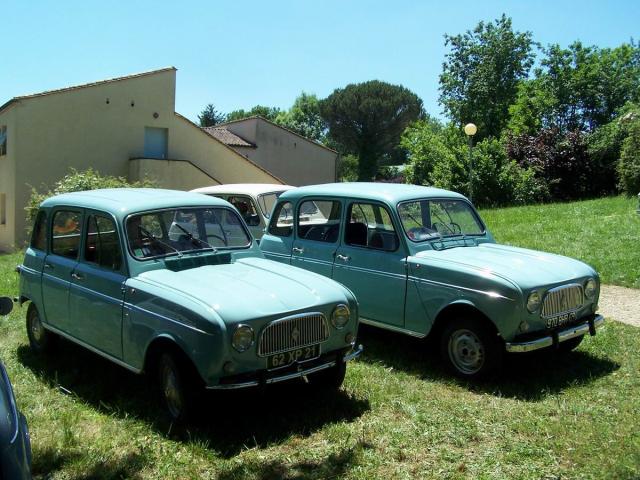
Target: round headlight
590,288
242,338
340,316
533,302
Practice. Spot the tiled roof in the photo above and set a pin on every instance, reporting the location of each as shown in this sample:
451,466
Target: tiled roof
227,137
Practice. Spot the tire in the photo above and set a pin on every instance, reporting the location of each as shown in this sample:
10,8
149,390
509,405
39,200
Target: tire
330,378
178,387
570,345
40,339
470,349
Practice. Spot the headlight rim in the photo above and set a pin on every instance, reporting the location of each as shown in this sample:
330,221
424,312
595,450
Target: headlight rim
233,338
333,316
595,288
538,304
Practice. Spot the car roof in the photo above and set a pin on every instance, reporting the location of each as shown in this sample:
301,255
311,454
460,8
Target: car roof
125,201
391,193
244,188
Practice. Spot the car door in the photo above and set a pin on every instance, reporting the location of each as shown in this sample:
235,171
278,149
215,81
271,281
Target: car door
96,296
371,262
59,264
276,244
317,235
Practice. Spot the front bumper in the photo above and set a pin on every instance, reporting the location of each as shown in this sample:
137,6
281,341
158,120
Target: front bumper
291,372
590,326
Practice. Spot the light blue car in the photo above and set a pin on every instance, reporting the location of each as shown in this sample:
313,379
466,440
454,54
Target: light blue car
421,262
15,444
171,283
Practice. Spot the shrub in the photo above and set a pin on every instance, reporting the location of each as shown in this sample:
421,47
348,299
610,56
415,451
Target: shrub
628,167
76,181
348,168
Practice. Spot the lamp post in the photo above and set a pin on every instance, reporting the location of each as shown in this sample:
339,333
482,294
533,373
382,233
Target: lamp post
470,129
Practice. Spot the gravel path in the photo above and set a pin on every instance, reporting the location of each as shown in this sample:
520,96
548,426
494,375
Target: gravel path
620,303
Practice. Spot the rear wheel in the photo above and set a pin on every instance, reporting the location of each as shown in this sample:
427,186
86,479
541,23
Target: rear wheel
470,349
40,339
330,378
178,386
569,345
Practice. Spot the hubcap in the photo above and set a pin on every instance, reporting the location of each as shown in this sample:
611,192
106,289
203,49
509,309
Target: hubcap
171,390
466,351
37,330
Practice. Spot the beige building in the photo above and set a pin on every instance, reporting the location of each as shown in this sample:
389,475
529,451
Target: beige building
124,126
295,159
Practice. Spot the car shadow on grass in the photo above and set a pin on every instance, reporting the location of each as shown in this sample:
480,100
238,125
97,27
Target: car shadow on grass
227,422
530,377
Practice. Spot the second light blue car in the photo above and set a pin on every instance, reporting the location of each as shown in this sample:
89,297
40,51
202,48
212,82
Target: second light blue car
422,262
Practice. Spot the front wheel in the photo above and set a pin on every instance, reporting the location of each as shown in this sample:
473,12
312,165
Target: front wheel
330,378
177,387
470,349
40,339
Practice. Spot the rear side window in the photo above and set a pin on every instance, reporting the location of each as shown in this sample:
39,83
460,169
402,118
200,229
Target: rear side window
319,220
65,240
281,224
39,234
102,246
370,226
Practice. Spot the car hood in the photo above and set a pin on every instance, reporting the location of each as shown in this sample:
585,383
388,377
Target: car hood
522,267
250,288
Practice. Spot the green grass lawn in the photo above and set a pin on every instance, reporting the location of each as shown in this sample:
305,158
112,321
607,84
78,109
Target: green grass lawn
399,414
605,233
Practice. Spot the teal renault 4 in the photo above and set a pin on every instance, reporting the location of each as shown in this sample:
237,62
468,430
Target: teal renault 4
421,261
172,283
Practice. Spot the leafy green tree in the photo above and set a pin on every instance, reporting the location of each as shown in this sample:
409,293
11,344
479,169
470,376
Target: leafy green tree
629,165
481,73
367,120
577,88
270,113
304,118
210,116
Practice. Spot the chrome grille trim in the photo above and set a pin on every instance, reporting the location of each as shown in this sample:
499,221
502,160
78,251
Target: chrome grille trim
562,299
276,336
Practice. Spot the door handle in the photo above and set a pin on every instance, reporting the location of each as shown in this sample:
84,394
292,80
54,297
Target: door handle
77,276
297,250
48,266
344,258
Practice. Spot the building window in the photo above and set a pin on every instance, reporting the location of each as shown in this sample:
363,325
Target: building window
156,142
3,208
3,140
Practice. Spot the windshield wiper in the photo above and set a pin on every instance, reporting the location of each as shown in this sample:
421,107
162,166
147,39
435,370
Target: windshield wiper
196,240
153,238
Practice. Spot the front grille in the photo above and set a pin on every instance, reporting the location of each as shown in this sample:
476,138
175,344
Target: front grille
293,332
564,299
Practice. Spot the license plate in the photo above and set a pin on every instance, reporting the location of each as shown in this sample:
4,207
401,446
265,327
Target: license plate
560,320
298,355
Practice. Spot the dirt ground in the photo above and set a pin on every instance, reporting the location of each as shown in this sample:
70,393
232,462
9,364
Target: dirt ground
620,303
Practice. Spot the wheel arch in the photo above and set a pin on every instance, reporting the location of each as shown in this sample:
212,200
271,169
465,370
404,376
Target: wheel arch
458,309
161,344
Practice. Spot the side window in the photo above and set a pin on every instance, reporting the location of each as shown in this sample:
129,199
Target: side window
319,220
102,246
39,234
281,224
370,226
247,210
65,232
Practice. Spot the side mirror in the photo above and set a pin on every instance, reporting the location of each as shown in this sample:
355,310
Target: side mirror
6,305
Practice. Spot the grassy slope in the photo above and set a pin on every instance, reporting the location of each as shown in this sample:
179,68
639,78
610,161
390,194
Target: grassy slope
399,416
604,233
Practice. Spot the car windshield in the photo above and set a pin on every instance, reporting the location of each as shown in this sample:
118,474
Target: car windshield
175,231
267,201
429,219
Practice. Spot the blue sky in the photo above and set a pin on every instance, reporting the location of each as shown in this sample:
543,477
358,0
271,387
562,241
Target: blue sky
239,54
